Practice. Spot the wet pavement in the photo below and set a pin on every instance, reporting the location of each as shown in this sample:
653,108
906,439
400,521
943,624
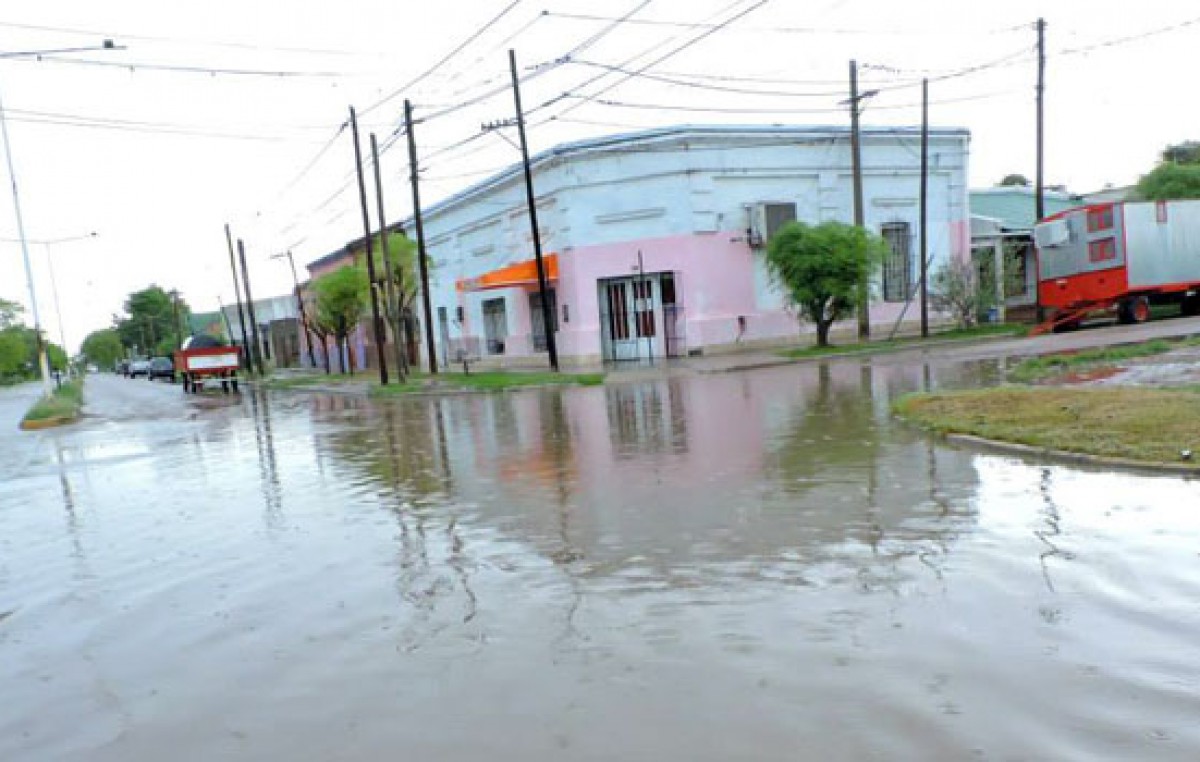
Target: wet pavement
759,565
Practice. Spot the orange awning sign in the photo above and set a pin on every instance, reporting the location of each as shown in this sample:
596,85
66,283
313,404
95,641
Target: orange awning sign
511,276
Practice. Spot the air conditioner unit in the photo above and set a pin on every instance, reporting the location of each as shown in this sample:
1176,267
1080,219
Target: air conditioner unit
1052,233
766,217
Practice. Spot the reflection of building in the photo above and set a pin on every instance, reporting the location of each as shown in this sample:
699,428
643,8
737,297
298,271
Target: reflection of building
278,329
654,240
1002,221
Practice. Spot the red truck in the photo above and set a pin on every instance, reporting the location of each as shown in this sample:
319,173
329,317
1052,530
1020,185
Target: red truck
1119,257
203,361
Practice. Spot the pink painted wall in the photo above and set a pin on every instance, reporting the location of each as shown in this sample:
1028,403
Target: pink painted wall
715,285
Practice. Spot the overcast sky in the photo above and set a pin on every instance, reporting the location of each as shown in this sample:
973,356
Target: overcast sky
231,111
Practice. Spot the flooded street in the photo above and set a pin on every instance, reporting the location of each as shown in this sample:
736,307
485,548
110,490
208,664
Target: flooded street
760,565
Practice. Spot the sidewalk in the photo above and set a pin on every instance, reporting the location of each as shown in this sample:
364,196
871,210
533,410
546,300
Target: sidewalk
951,349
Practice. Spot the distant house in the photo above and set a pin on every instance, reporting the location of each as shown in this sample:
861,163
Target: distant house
1002,220
279,331
1110,193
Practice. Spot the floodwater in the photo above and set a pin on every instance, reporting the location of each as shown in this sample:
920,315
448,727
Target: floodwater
759,565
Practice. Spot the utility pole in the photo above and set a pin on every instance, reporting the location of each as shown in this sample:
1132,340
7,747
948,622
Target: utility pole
924,208
390,288
543,291
1039,189
300,305
256,350
376,321
237,295
864,291
422,258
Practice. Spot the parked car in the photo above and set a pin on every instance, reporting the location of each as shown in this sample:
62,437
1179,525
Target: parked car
122,368
161,367
138,367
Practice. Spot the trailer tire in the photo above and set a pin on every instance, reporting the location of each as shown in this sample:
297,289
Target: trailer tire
1133,311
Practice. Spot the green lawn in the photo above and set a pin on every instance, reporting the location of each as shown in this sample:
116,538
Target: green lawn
883,345
1048,366
1148,425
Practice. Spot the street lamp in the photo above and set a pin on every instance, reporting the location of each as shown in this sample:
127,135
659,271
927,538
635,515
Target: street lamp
43,364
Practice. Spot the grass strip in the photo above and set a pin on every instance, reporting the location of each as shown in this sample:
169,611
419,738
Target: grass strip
1045,367
62,405
486,381
1148,425
982,331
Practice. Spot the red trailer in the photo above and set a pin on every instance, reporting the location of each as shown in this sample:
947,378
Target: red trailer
202,364
1119,258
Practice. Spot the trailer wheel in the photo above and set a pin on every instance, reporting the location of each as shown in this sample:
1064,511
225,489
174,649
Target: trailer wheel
225,387
185,384
1135,310
233,383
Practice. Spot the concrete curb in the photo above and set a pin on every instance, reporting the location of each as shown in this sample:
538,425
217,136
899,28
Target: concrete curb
1077,458
48,423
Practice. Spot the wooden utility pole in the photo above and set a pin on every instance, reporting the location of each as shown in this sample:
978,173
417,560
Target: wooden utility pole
543,290
256,347
924,208
308,338
864,290
390,288
237,295
422,257
376,321
1039,188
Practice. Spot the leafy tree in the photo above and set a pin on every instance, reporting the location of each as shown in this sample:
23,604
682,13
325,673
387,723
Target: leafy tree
150,324
1170,181
820,268
341,300
10,313
14,355
1019,180
1187,152
103,347
402,295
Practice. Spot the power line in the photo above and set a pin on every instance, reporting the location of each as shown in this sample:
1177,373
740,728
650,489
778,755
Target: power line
773,29
182,40
1129,38
437,65
699,86
184,69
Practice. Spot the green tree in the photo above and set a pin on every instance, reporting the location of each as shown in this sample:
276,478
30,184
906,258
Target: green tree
1019,180
103,348
820,268
14,355
341,300
150,323
402,294
1170,181
1187,152
10,313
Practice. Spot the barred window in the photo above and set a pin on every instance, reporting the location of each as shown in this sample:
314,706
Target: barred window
897,267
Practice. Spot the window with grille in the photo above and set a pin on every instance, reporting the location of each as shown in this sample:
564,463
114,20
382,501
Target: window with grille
897,267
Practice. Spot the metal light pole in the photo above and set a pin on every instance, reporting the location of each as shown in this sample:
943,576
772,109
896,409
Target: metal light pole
308,339
43,363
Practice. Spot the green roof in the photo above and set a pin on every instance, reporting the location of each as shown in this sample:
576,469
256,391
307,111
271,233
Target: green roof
1014,206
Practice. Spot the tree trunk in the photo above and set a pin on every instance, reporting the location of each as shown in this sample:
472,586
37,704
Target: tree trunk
339,342
823,332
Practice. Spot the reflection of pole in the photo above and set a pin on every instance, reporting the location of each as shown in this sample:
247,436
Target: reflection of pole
43,364
547,313
422,257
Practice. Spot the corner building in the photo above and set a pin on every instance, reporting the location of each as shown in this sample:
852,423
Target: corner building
654,242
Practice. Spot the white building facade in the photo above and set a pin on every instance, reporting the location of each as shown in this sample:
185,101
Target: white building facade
653,242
